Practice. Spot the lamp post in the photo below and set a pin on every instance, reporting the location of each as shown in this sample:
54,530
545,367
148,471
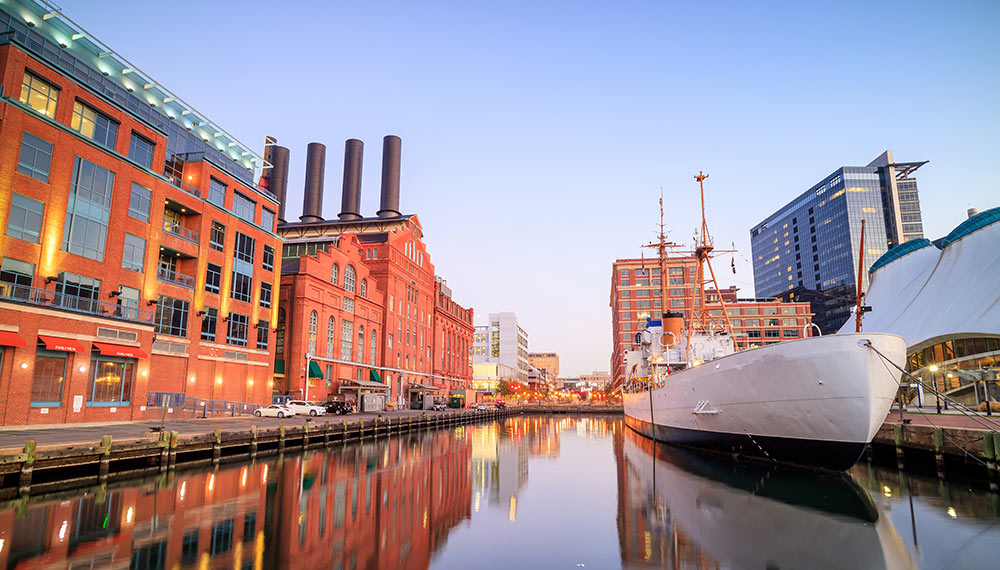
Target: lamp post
937,393
308,364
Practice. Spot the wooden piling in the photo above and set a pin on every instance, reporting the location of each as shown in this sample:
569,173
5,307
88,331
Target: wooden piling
253,442
27,467
102,474
217,446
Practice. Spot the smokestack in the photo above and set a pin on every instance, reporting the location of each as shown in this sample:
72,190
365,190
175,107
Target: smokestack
278,179
972,212
312,200
350,206
389,207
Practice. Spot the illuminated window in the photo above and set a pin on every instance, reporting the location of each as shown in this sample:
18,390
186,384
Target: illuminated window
110,379
49,377
39,94
94,125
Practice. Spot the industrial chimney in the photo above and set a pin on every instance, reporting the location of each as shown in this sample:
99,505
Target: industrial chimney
389,206
350,206
312,200
277,180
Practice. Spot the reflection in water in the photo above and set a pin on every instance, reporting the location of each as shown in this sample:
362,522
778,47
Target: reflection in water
460,497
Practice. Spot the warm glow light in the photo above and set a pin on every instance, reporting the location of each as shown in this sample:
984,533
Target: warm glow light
24,365
82,369
218,380
263,477
191,379
933,368
886,491
270,383
952,513
243,478
184,487
211,482
62,530
129,514
250,382
144,372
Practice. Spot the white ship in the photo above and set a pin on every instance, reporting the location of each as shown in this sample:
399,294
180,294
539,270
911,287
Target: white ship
816,401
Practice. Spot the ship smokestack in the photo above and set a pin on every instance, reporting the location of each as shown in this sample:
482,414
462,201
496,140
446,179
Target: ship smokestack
972,212
312,201
350,206
389,205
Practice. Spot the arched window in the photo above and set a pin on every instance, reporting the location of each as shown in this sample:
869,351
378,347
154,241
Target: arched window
329,338
313,319
279,337
349,278
334,274
361,344
364,288
372,359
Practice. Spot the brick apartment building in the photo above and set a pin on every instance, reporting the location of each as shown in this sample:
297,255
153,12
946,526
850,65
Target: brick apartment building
453,330
636,294
137,252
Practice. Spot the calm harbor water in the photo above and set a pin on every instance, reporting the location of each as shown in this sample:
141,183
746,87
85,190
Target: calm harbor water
526,492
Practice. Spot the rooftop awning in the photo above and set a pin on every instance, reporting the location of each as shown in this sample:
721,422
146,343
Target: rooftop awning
119,350
424,387
314,370
8,338
63,344
361,384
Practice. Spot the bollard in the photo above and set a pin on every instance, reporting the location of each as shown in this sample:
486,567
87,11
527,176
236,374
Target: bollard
105,457
281,438
939,451
326,434
27,467
172,461
305,434
164,451
343,431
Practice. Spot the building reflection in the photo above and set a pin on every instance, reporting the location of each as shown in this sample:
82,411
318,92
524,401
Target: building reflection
388,503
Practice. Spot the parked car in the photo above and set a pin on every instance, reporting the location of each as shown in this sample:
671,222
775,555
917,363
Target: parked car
274,411
439,406
482,407
339,407
304,408
501,405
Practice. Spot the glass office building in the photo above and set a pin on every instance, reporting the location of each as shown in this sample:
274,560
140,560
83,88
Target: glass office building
808,250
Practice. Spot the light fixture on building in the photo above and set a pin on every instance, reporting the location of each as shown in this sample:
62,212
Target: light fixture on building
82,369
24,365
50,279
152,302
200,314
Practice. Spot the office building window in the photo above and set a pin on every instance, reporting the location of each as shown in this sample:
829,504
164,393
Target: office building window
94,125
171,316
111,379
243,267
771,333
134,253
39,94
209,323
213,278
78,292
138,203
330,328
346,339
753,334
217,236
262,327
267,219
35,157
49,377
217,192
222,537
790,333
88,210
268,258
265,295
15,278
243,207
25,218
238,329
140,150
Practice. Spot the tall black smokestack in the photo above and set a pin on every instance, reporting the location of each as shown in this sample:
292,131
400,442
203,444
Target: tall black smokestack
312,201
278,179
350,206
389,207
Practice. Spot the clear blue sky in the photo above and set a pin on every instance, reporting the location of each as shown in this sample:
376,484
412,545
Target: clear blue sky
536,135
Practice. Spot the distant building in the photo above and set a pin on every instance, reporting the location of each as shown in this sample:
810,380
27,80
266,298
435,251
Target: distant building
453,330
486,376
547,362
808,249
597,379
502,341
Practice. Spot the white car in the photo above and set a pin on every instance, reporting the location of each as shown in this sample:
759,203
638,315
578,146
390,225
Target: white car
274,411
303,408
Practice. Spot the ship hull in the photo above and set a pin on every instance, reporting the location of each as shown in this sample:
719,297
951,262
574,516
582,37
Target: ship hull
814,402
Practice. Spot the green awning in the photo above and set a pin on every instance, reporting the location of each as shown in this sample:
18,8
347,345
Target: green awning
279,365
314,371
373,375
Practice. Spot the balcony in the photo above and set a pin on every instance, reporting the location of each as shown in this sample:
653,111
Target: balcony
172,227
180,184
64,301
168,275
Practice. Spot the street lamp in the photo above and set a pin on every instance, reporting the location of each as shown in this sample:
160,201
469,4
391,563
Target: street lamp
309,357
937,393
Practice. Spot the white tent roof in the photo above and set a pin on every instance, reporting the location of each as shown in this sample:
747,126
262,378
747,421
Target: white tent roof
928,293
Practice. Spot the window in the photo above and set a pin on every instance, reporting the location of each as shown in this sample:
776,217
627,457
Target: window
753,334
372,355
15,278
313,323
217,236
216,192
35,157
262,328
790,333
39,94
94,125
249,526
213,278
133,253
330,328
349,304
171,316
361,344
88,210
238,329
243,207
243,267
49,377
138,203
268,258
346,339
127,302
140,150
110,379
771,333
676,280
25,219
349,278
265,294
675,271
222,537
279,335
267,219
78,292
209,323
189,548
752,322
364,288
333,274
626,294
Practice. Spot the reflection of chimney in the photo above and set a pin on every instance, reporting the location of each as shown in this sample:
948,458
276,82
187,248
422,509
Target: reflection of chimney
350,206
312,200
389,207
277,179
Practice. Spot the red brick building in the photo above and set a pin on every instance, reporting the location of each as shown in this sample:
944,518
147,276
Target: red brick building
636,294
453,331
137,254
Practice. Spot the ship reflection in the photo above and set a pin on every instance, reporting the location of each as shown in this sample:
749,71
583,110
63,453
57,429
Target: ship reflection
682,509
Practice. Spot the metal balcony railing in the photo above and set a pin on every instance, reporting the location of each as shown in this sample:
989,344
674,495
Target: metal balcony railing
171,276
190,189
51,299
170,226
201,406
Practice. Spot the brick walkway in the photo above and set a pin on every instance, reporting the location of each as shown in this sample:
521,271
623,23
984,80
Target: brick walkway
950,419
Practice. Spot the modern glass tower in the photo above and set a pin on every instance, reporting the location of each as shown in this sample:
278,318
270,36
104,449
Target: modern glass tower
808,250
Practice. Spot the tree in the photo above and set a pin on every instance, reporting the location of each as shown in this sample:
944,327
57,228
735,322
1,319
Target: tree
503,388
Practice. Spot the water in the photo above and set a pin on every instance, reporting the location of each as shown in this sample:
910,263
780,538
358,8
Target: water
528,492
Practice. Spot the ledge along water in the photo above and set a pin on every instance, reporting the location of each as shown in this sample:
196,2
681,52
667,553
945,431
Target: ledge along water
43,468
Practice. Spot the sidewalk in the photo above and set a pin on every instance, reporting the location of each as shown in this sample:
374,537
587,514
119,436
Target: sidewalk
949,418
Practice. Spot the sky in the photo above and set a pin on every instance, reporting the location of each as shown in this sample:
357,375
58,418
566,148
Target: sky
537,135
